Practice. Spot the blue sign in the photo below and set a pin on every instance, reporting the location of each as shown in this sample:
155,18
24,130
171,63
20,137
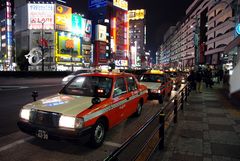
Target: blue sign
238,29
93,4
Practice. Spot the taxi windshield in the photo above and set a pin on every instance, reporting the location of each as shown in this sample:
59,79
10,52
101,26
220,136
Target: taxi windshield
158,78
88,86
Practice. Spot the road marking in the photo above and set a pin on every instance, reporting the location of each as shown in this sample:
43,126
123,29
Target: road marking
112,144
6,147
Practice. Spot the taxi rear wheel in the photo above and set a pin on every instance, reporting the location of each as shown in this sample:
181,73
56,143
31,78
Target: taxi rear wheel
139,109
98,134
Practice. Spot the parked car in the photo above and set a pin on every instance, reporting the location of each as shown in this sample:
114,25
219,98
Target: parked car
158,83
66,79
88,106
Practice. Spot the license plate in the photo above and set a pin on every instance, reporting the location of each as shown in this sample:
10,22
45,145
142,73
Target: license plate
42,134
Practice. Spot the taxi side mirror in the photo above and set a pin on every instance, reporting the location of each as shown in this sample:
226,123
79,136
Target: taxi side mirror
96,100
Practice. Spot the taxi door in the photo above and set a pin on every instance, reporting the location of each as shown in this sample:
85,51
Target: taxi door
134,95
120,98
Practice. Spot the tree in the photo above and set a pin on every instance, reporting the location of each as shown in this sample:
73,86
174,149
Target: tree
22,61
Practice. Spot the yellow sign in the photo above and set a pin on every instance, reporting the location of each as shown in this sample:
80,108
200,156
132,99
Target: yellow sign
136,14
63,18
121,4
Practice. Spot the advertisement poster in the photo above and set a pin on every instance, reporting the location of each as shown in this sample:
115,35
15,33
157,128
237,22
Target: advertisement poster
87,31
40,16
63,18
77,24
69,47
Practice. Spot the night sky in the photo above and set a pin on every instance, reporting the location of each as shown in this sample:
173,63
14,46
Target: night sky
160,15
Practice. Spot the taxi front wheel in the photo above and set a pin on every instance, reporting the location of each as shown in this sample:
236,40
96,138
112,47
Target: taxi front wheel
98,134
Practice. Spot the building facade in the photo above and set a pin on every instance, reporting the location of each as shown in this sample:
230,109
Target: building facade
6,35
137,38
61,39
208,27
112,16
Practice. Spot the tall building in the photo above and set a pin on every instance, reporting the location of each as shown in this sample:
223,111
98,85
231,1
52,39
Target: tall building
137,38
51,37
111,39
6,36
201,38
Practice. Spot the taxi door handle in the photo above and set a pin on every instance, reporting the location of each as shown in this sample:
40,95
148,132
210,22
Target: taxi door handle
127,98
138,93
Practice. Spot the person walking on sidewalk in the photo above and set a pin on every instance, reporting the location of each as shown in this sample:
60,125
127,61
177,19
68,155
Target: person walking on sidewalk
199,77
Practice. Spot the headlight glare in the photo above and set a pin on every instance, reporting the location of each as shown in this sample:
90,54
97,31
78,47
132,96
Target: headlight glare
25,114
70,122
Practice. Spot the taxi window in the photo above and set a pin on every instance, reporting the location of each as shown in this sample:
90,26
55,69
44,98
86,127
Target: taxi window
158,78
120,87
87,85
132,85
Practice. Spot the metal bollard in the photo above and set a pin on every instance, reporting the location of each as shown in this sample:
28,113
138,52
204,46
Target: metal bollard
182,100
161,131
175,110
34,95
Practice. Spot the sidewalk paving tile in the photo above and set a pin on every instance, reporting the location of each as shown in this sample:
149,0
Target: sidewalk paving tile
208,129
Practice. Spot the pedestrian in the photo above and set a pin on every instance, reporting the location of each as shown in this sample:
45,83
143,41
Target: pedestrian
191,80
208,78
199,77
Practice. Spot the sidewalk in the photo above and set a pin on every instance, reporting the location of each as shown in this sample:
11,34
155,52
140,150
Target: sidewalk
208,129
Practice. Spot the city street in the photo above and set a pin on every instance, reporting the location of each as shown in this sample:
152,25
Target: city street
26,147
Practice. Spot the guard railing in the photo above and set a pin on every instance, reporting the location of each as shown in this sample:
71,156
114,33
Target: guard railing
141,145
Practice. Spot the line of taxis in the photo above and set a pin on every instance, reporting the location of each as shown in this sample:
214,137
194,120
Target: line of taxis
92,103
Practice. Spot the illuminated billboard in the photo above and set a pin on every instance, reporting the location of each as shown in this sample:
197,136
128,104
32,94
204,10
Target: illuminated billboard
121,4
77,26
93,4
86,30
136,14
68,48
63,18
40,16
101,33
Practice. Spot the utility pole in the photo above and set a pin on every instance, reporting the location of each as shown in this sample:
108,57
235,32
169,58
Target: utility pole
42,48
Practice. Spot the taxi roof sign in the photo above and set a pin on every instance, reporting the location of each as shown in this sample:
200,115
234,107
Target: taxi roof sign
153,71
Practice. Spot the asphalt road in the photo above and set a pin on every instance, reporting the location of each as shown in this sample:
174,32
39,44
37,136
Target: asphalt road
17,146
16,92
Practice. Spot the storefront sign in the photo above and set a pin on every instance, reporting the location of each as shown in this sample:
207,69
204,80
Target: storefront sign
101,33
69,45
63,18
77,24
40,16
121,4
136,14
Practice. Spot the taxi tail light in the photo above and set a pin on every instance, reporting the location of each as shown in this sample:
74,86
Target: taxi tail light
156,91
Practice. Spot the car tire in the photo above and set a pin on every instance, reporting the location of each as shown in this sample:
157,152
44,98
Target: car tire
139,109
98,134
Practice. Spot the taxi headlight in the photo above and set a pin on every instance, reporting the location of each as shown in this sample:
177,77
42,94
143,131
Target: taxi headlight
183,80
25,114
155,90
174,86
70,122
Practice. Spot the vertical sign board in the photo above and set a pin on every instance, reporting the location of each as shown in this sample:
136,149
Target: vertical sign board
40,16
77,24
86,30
63,18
